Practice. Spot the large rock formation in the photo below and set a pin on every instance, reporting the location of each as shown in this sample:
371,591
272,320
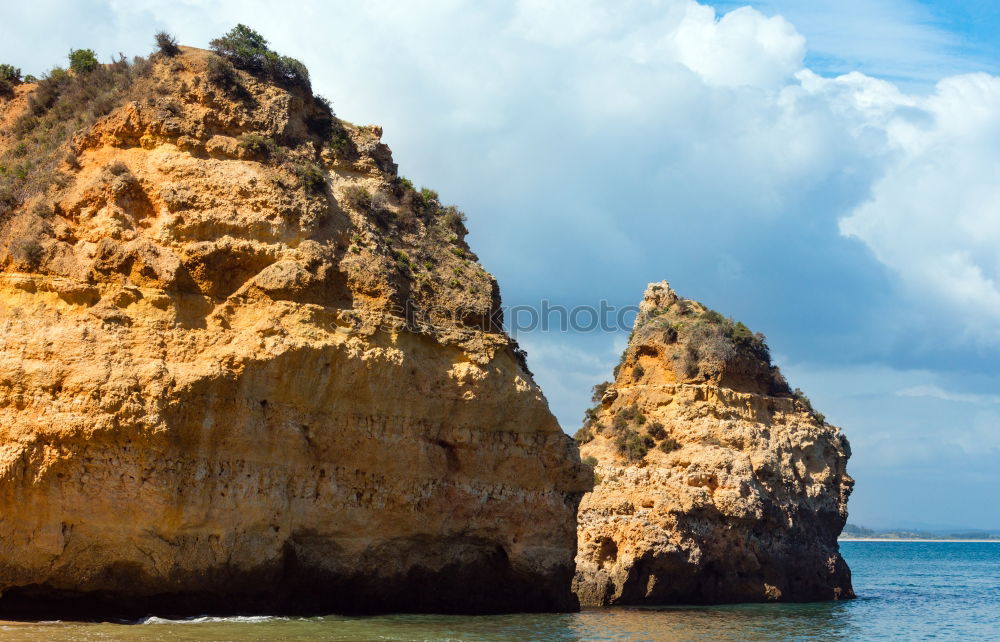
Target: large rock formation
244,366
715,482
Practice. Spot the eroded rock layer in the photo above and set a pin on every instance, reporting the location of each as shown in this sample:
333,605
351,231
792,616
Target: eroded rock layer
245,367
714,481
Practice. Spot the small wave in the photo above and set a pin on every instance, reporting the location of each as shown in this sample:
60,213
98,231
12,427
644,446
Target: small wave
206,619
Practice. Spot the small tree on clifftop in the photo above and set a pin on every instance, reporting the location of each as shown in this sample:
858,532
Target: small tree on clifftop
10,73
248,50
167,44
9,76
82,60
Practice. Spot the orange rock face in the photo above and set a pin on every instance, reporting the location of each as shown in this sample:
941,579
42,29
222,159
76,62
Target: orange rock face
715,482
245,367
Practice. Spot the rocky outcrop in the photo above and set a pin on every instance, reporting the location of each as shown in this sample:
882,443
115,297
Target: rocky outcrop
246,367
714,481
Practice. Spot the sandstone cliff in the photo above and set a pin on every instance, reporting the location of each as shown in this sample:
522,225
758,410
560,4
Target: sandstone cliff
715,482
245,366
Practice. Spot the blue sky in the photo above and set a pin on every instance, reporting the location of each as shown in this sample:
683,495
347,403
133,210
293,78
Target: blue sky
913,43
826,172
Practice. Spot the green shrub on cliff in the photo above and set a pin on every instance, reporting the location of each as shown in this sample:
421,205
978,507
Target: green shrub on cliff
633,446
736,334
310,175
340,141
358,198
801,397
707,337
82,60
220,72
669,445
597,392
9,76
454,219
258,145
166,44
626,417
248,50
590,415
429,198
27,253
656,430
243,46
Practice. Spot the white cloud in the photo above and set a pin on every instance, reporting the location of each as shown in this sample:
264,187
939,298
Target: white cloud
741,48
561,23
937,392
934,215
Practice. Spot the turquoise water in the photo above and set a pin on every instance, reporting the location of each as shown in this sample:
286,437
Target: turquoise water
911,590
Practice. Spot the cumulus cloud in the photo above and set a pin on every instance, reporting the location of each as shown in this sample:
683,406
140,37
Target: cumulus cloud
741,48
934,214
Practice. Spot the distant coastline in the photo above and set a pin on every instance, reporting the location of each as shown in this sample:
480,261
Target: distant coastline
856,533
916,539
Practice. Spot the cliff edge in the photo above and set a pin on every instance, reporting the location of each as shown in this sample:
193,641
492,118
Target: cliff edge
246,367
714,481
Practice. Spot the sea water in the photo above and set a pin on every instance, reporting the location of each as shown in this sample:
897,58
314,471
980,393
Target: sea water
906,590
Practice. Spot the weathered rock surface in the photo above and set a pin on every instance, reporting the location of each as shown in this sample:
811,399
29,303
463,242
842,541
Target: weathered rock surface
716,483
244,367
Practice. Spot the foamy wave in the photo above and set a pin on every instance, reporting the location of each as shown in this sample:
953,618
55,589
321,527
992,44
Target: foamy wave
251,619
